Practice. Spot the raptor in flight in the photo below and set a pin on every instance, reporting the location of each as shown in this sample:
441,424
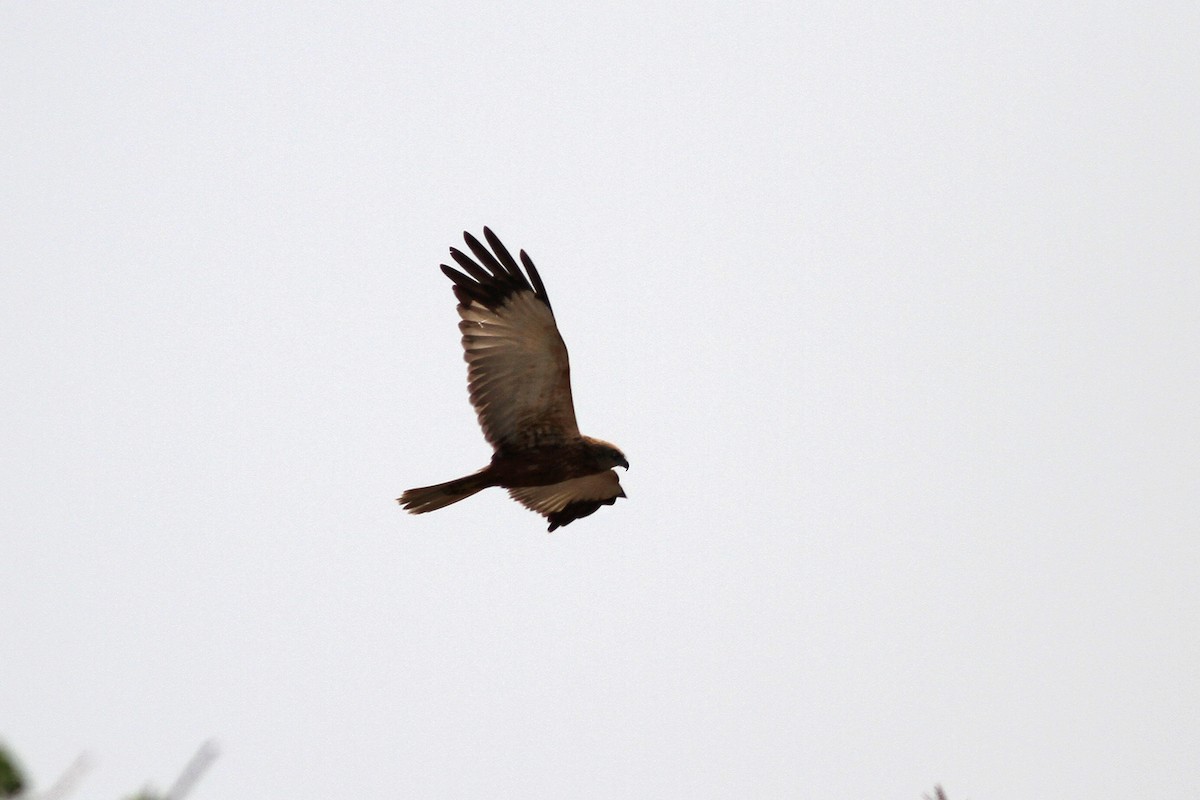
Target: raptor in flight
520,384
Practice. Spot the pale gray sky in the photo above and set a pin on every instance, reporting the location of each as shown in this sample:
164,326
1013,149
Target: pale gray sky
894,310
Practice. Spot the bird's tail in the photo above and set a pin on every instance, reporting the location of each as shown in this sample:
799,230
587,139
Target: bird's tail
431,498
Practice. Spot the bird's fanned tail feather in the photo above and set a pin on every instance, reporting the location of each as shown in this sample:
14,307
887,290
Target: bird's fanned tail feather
431,498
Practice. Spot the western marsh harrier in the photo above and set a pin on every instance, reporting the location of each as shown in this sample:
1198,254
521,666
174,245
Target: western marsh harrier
520,384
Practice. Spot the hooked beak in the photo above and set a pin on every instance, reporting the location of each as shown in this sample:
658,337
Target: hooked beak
624,464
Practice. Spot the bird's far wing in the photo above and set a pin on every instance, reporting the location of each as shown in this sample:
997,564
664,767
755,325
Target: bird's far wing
562,503
517,370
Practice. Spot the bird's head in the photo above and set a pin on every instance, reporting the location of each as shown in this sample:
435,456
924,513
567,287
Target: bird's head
609,455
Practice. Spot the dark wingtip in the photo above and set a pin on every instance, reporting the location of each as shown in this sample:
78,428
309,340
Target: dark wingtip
471,241
539,288
493,274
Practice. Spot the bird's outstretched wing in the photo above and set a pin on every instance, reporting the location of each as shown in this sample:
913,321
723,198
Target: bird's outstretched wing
517,370
562,503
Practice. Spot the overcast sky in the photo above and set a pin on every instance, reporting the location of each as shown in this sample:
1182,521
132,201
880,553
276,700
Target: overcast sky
894,310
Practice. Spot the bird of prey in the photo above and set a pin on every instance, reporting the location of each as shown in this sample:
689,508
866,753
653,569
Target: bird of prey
519,381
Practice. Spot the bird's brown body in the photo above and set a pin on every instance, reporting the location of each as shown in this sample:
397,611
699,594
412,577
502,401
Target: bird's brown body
548,464
519,380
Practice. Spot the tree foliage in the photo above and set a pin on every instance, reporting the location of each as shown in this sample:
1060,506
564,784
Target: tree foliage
12,780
